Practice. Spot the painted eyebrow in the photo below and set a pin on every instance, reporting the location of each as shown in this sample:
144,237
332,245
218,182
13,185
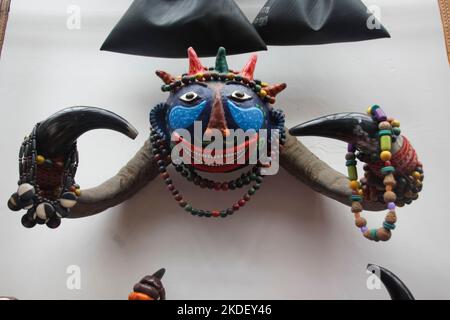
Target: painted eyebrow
202,84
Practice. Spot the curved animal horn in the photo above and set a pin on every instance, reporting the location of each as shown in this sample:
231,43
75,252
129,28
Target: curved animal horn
140,170
273,90
165,77
395,287
56,135
351,127
195,65
299,161
249,68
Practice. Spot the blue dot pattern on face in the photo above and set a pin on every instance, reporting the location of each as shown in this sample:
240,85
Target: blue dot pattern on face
246,118
183,117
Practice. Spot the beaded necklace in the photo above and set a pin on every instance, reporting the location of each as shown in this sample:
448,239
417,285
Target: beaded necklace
389,130
161,155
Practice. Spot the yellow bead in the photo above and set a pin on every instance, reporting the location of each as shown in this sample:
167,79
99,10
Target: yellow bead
263,93
40,160
369,110
385,155
416,175
385,143
264,84
395,123
78,192
199,75
361,192
354,185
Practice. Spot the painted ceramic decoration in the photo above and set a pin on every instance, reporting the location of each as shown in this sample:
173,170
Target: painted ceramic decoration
309,22
166,28
221,101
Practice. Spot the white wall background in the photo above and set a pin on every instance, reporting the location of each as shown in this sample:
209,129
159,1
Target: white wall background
290,242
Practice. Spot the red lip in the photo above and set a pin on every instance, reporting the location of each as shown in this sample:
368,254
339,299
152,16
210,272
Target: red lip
243,147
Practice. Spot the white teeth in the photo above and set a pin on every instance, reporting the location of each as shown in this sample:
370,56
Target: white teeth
212,159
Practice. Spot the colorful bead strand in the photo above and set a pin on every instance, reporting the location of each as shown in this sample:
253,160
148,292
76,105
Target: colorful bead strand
389,130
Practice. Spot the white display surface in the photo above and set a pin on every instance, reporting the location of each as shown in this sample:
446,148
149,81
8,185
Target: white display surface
289,242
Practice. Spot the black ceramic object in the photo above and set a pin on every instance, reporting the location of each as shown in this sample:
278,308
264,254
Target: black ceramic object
308,22
167,28
395,287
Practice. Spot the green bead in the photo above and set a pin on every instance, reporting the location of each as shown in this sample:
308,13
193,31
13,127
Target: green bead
355,197
389,226
188,208
352,173
253,177
374,107
387,170
385,143
386,132
257,186
350,163
259,179
396,131
251,191
373,234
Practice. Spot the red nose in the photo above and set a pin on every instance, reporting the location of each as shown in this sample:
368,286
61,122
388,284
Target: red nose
217,119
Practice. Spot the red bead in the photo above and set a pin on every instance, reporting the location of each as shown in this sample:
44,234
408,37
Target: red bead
241,202
387,163
157,157
171,187
217,186
236,206
247,197
182,203
225,186
178,197
215,213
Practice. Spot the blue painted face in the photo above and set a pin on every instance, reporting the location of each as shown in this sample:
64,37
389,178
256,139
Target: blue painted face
242,108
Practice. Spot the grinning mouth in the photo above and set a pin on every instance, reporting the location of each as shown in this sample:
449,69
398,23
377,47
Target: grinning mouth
218,160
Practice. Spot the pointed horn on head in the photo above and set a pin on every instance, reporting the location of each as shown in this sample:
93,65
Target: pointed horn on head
249,68
195,65
165,77
275,89
221,61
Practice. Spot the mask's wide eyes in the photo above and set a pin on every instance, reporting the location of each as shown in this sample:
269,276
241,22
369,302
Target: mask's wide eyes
189,96
240,96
